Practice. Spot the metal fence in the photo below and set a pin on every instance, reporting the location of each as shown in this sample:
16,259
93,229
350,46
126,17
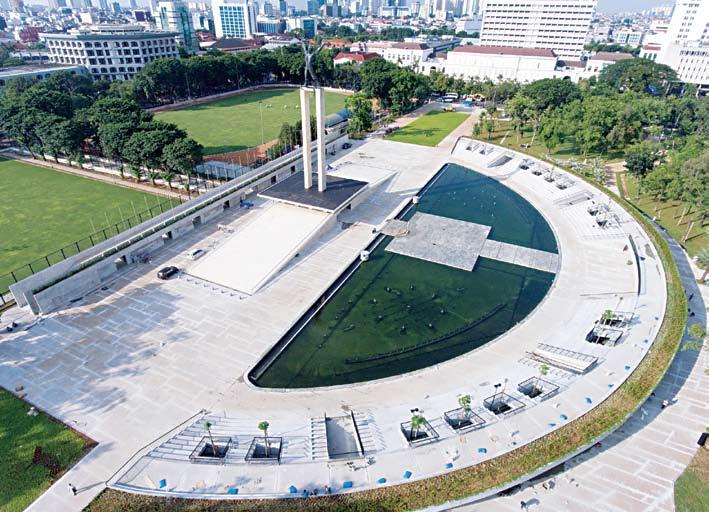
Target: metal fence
216,169
76,247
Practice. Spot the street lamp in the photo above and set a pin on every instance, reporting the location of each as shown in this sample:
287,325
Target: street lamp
260,110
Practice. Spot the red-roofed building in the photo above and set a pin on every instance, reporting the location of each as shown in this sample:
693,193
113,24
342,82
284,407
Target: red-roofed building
496,63
357,58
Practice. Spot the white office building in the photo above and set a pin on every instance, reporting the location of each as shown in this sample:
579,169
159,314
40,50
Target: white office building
559,25
110,52
686,48
628,37
174,16
234,18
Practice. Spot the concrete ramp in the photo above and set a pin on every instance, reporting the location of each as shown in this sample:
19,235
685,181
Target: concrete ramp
260,246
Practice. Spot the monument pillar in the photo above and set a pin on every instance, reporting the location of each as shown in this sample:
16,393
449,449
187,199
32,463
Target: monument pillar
307,136
322,153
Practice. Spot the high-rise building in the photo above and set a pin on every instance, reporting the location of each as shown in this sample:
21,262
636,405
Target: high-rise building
17,5
3,23
283,7
559,25
175,17
267,8
470,7
116,7
686,49
133,4
103,5
234,18
690,22
312,7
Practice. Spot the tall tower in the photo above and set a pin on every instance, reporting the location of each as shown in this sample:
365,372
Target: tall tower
175,17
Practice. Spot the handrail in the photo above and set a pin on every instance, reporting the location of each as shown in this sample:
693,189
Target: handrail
150,443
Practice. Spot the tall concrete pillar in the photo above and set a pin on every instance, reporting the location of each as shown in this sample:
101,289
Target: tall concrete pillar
322,154
307,137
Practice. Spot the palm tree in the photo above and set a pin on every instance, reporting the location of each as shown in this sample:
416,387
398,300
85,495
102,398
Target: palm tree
607,316
264,426
703,263
208,426
417,421
543,370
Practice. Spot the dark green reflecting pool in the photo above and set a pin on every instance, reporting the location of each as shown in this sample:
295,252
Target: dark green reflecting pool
397,314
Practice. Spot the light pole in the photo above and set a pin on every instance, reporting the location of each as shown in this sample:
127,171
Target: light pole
260,110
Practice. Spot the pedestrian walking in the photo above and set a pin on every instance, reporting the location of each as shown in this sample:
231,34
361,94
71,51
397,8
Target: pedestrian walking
665,403
73,490
523,505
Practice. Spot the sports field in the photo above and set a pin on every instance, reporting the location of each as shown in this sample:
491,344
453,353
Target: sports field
43,210
233,124
430,129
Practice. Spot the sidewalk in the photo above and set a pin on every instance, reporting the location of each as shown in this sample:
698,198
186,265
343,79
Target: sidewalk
636,467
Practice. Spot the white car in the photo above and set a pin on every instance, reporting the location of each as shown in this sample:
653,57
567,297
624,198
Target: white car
197,253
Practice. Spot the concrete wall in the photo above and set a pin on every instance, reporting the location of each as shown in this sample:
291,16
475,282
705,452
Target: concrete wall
71,279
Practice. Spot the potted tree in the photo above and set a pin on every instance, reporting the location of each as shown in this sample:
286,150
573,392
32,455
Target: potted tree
208,427
264,426
417,421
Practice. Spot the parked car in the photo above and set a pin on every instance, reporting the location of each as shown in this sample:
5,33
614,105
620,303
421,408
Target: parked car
167,272
346,145
196,254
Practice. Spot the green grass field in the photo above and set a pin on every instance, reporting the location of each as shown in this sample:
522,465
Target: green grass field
43,210
21,481
669,214
430,129
234,123
692,487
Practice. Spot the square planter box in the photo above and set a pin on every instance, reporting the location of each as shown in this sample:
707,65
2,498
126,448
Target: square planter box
460,421
425,434
205,453
260,452
502,404
537,388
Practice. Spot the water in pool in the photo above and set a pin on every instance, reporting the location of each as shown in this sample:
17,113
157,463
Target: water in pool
396,314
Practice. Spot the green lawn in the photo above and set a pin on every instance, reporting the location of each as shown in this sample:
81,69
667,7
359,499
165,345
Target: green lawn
669,214
43,210
692,487
234,123
21,482
430,129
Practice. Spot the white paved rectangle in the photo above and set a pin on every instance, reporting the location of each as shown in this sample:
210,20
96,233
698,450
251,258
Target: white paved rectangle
451,242
258,246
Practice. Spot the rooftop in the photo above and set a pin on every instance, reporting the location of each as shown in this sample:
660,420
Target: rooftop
233,44
357,57
507,50
611,56
33,68
411,46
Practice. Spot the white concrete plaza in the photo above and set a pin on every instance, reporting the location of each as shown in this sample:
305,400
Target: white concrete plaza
132,361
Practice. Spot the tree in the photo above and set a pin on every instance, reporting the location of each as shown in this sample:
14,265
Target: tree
404,85
417,421
377,79
464,401
208,428
550,93
521,109
264,426
598,170
361,113
113,138
489,127
702,259
641,158
182,156
638,75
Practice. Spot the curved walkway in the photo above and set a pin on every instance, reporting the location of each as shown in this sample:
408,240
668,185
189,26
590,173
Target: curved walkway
635,468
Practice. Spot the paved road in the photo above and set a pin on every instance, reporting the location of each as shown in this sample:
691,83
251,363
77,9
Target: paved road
635,468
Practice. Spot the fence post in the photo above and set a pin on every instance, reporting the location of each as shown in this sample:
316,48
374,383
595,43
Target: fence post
78,249
91,239
47,260
63,255
31,269
13,276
